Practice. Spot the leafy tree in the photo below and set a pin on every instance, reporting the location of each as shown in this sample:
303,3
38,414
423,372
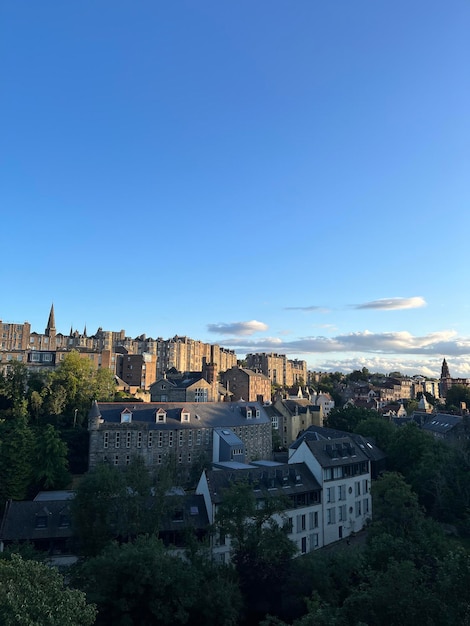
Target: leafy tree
381,431
457,394
50,459
261,550
32,593
348,419
13,385
16,444
141,583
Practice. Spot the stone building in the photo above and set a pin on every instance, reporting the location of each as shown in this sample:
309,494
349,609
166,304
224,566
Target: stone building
278,368
153,431
247,385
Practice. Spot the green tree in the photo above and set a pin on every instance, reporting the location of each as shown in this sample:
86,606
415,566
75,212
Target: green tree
260,548
141,583
348,419
13,385
33,594
50,459
457,394
16,445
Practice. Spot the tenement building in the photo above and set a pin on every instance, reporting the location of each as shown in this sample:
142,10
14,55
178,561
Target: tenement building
153,431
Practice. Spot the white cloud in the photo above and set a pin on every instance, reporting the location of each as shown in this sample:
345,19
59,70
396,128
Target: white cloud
394,303
238,328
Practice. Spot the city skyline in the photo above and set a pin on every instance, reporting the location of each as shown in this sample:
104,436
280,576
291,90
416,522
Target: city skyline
269,176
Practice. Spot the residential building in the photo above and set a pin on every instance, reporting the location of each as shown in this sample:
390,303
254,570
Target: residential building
343,471
278,368
247,385
295,416
183,431
190,387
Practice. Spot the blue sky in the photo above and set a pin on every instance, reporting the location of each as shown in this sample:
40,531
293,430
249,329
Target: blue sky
269,175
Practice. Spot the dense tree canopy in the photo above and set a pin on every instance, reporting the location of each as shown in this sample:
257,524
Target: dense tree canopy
33,594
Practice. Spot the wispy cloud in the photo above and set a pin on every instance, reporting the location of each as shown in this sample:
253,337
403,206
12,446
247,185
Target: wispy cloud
401,342
239,329
318,309
388,304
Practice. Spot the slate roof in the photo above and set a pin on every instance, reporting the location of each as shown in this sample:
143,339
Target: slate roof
284,479
319,433
19,520
442,424
202,414
188,511
340,451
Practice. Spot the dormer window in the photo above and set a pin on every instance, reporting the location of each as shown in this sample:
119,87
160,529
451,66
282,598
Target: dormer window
258,413
126,416
248,413
41,520
160,416
185,417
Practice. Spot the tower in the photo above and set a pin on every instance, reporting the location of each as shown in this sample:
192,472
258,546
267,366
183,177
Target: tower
445,381
50,332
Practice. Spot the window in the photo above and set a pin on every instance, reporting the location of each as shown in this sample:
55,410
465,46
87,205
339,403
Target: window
159,459
198,438
180,438
341,492
150,439
330,494
331,516
170,438
313,541
41,521
190,438
365,502
342,513
313,520
128,439
128,459
189,457
117,440
139,439
116,459
358,508
365,486
105,439
290,525
64,520
180,458
160,439
357,489
303,545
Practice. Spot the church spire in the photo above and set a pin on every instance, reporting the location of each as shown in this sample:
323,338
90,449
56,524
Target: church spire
50,328
445,370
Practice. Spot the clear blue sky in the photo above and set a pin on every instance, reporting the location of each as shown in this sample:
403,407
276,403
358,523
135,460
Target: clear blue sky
269,175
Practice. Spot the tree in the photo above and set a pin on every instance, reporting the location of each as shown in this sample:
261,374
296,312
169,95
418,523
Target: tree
457,394
261,550
348,418
50,459
13,385
16,446
142,583
32,593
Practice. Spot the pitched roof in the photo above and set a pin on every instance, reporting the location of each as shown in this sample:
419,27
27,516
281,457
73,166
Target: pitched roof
442,423
281,479
203,414
20,520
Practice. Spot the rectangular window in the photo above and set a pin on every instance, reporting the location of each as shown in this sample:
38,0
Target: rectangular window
313,541
342,513
106,440
358,508
139,439
331,516
303,545
313,520
160,439
357,489
198,438
189,457
128,459
341,492
290,525
365,502
365,486
180,458
330,494
128,439
150,439
190,438
170,438
159,459
338,472
180,438
116,459
117,441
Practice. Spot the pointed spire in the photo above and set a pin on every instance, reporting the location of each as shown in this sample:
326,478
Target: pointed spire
51,322
84,331
71,330
445,370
